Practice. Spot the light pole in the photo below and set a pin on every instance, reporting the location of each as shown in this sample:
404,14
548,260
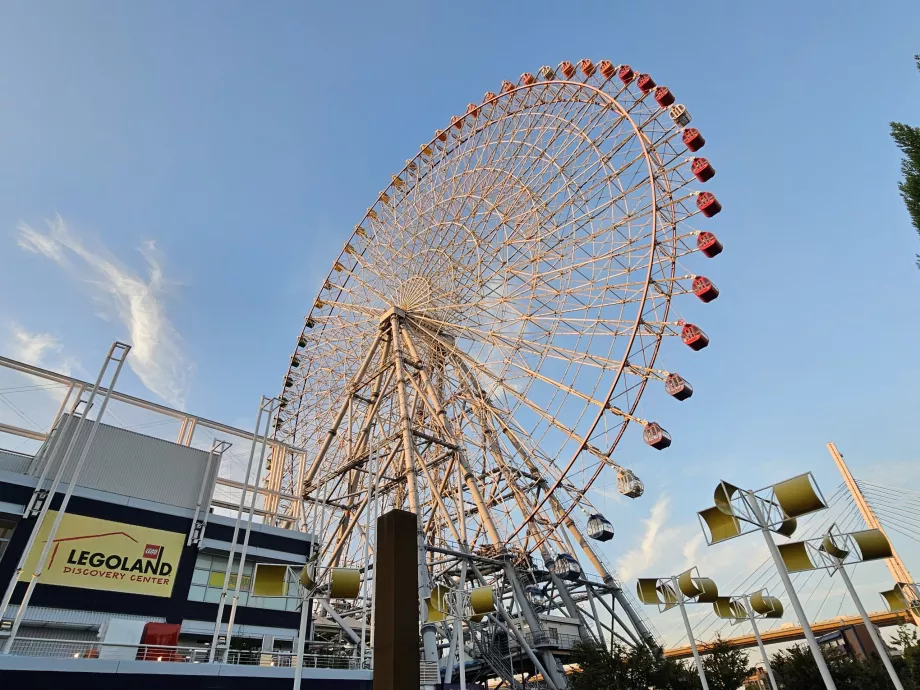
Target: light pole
774,508
751,607
679,590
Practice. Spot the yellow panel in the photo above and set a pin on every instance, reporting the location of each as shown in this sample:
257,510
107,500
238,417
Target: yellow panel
831,548
768,606
726,608
787,528
308,575
90,553
872,544
723,497
437,604
269,580
895,599
702,589
482,600
344,583
687,585
797,496
721,526
708,590
795,556
647,589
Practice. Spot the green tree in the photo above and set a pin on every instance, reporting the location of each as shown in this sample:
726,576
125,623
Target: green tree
625,668
795,669
726,666
908,140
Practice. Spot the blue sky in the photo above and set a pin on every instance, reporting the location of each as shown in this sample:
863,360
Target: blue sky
210,158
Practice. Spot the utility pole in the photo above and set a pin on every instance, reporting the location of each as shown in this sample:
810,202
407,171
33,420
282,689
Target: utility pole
895,564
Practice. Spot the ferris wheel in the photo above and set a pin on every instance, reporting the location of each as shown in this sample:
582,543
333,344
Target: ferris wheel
481,344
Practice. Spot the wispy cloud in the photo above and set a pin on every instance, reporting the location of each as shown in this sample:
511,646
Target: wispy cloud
156,356
635,562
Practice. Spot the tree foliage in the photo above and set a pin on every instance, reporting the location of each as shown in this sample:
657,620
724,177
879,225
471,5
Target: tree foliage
907,139
631,669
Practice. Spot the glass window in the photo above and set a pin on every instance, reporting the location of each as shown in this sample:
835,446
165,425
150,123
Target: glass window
196,593
208,580
200,577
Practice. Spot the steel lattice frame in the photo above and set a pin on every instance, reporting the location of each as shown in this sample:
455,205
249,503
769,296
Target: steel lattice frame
497,315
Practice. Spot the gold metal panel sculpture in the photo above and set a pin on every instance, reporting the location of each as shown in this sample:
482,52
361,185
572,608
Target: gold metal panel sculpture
308,575
344,583
832,548
703,589
647,590
787,528
872,544
269,580
795,556
767,606
726,607
721,525
895,599
723,497
797,496
482,600
437,604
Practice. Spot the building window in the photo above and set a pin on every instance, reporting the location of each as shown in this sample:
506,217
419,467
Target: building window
208,580
6,532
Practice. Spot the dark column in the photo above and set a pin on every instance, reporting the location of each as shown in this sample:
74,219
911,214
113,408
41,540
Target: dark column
396,636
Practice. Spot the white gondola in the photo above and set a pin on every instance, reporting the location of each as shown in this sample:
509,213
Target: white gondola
629,484
600,528
535,595
566,567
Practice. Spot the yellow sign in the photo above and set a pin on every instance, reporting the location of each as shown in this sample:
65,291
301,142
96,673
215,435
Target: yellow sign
112,556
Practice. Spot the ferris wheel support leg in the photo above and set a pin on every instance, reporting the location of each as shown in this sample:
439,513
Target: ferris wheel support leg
571,607
468,476
330,434
429,644
549,661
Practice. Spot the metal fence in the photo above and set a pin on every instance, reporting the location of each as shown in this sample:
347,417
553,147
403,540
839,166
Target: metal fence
36,647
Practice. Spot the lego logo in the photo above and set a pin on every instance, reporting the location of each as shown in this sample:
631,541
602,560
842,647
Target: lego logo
151,551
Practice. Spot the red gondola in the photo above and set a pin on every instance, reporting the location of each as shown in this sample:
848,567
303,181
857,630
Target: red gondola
626,74
645,83
708,205
702,169
693,140
507,86
693,337
456,121
704,289
663,96
656,437
527,78
472,110
442,136
709,244
567,69
606,68
677,387
586,66
489,97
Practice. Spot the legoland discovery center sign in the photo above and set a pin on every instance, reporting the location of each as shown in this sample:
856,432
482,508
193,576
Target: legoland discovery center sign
113,556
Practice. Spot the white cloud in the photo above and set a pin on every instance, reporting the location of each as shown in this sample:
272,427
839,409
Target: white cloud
156,356
635,562
41,350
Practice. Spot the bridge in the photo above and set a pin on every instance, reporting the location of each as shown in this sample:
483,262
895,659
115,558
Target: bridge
790,633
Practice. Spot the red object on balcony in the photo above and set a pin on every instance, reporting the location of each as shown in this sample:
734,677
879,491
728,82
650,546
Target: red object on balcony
527,79
693,140
626,74
702,169
587,67
567,69
606,68
704,289
693,337
708,204
709,244
161,640
677,387
656,437
664,96
645,83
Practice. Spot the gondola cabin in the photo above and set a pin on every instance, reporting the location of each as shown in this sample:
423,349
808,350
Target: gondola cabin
709,244
535,595
677,387
704,289
692,139
656,437
693,337
702,169
645,83
663,96
566,567
629,484
600,528
708,204
626,74
606,68
567,69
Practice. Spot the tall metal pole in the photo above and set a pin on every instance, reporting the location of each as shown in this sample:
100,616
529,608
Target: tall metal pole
763,650
301,636
790,592
40,564
873,633
236,530
895,565
696,652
